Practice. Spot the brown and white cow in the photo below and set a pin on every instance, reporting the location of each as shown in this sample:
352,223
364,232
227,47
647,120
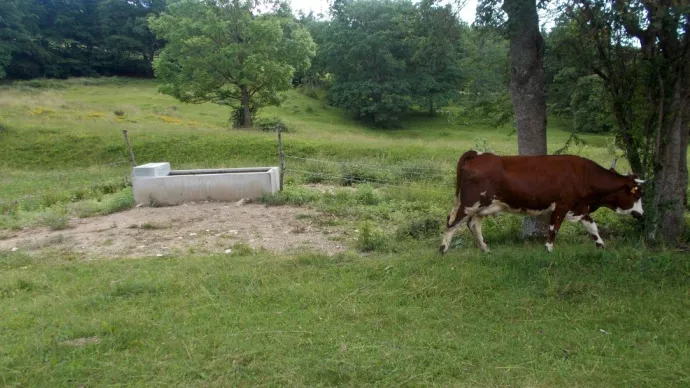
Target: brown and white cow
568,187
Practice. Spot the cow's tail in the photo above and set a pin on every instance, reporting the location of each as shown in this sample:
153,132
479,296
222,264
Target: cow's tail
469,155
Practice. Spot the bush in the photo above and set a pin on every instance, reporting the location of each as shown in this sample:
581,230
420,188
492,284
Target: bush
237,116
55,221
269,124
370,239
367,196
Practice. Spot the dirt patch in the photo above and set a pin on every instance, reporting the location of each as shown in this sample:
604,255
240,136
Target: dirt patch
207,228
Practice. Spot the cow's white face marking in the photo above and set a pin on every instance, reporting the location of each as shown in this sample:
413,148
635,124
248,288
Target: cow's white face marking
549,247
570,216
636,208
552,228
479,152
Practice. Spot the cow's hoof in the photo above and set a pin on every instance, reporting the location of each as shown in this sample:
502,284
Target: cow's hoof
442,250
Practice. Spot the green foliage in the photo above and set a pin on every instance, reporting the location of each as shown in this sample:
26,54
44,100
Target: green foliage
272,124
388,55
55,220
76,38
489,109
591,113
371,239
420,227
14,17
485,64
224,53
437,47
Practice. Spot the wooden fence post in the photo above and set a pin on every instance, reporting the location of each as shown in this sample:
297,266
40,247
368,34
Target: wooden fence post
281,155
129,147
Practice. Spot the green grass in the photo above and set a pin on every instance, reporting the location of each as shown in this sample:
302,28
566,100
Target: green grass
391,312
580,317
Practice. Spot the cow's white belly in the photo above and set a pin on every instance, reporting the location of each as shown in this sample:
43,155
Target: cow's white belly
497,206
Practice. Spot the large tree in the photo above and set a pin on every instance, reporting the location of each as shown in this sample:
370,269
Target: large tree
40,38
435,62
388,55
16,24
527,80
225,52
643,57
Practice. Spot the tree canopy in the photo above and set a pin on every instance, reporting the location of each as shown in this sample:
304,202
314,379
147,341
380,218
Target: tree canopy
41,38
223,52
387,55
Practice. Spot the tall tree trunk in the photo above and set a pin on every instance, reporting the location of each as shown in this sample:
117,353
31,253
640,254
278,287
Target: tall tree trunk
527,82
246,119
670,170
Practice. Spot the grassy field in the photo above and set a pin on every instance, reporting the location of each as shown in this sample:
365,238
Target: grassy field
389,312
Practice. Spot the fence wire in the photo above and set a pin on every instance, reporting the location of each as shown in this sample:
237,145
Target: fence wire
404,170
353,179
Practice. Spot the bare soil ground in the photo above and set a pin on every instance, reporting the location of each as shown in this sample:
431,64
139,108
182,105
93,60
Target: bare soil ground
206,228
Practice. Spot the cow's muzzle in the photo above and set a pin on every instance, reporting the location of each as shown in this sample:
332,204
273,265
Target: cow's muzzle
636,215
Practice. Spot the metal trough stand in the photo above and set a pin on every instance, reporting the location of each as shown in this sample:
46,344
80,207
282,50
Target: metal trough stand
157,184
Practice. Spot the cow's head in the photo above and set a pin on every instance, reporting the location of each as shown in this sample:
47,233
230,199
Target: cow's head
628,199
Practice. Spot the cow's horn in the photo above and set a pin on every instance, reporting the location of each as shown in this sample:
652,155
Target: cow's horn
613,164
639,181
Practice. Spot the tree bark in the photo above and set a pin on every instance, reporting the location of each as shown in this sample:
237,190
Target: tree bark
670,170
527,80
246,119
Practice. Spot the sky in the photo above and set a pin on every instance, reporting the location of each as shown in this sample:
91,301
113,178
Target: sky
466,13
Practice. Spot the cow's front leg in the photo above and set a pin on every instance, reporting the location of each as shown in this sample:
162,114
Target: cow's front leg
556,221
591,228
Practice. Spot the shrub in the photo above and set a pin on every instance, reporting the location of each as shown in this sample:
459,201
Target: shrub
237,116
118,202
370,239
367,196
55,221
269,124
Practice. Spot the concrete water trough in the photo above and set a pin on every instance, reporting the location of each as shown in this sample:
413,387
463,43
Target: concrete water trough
156,183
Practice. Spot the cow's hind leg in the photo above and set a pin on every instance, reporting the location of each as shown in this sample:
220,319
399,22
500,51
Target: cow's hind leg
591,228
475,225
452,227
557,217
